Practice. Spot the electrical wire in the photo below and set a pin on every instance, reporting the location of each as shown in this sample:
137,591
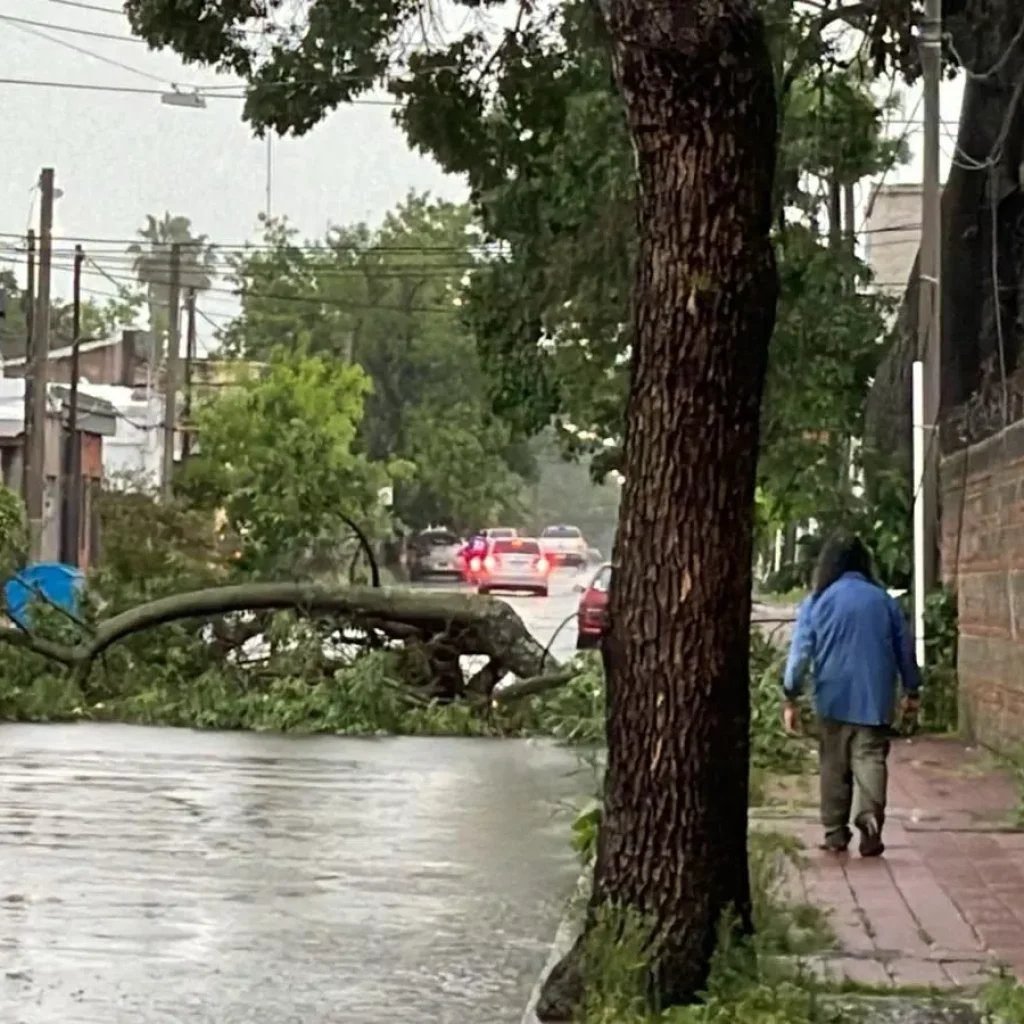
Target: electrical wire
83,6
50,26
997,302
997,66
84,52
355,249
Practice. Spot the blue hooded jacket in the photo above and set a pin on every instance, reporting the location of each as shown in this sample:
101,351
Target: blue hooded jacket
853,640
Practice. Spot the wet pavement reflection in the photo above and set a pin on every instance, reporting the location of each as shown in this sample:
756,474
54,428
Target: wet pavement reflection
163,875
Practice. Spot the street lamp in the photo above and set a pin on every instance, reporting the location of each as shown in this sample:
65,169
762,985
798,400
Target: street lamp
178,98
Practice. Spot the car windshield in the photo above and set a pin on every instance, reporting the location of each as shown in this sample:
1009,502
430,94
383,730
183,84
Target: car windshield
603,580
516,546
562,532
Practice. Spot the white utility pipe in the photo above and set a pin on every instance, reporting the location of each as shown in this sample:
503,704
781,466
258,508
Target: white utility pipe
919,509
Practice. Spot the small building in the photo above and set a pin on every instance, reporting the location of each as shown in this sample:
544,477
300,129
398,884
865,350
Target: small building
892,235
97,419
123,361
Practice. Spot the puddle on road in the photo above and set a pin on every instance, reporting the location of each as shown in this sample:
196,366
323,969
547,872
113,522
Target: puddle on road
159,875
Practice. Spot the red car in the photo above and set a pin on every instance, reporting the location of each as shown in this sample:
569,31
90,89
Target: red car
592,613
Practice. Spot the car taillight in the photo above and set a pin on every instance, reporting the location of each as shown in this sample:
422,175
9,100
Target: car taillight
543,565
491,563
474,563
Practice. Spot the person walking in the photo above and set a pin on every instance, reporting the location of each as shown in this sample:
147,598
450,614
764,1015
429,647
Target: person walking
850,636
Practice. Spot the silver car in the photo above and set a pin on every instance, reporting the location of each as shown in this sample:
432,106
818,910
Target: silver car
516,563
435,553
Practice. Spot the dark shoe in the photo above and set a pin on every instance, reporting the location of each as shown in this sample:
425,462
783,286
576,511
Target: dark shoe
871,844
837,841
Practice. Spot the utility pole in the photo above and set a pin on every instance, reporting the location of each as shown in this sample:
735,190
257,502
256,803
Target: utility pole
30,298
190,355
73,443
270,171
171,373
35,496
929,326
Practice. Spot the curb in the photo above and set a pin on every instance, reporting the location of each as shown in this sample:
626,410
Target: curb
565,936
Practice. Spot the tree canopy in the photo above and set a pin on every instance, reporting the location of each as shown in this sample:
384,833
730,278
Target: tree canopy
530,115
389,301
99,318
278,458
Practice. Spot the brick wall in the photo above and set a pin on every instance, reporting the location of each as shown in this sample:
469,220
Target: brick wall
983,554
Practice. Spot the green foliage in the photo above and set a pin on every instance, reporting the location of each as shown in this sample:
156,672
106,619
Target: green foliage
585,828
98,319
575,713
389,301
534,123
278,458
826,346
13,534
368,697
1002,1001
771,750
747,984
151,547
939,702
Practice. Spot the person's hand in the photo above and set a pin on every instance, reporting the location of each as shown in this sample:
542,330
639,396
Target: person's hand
910,706
791,717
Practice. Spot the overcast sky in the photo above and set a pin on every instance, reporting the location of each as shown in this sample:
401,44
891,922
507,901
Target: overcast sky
121,156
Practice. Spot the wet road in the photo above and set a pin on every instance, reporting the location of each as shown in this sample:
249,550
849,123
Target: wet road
544,615
163,875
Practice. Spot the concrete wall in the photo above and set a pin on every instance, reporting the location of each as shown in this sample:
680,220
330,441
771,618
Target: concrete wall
892,235
983,554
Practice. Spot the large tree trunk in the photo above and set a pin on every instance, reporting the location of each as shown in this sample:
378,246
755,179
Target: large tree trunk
699,93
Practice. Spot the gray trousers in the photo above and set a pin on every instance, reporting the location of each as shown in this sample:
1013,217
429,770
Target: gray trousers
854,773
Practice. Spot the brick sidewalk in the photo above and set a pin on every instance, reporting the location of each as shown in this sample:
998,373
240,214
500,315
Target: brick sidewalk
945,905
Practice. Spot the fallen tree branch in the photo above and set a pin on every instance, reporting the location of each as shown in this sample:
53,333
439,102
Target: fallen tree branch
485,626
520,688
39,645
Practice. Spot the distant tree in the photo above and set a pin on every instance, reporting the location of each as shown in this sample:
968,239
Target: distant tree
99,319
389,300
277,456
152,266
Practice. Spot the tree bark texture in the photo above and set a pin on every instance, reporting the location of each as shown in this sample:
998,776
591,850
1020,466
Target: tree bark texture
987,35
699,94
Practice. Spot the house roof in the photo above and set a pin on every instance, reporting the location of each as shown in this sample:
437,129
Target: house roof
66,351
97,414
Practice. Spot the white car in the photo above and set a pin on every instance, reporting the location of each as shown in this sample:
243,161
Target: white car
516,563
565,545
499,533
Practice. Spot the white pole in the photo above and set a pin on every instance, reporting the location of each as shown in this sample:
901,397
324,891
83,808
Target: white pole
920,502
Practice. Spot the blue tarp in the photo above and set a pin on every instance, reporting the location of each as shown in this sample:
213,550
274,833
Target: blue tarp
58,582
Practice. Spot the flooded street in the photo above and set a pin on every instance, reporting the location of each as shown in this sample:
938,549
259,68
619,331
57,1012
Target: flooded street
163,875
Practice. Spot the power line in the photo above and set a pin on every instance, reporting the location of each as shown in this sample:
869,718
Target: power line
83,51
266,247
315,300
82,6
117,37
997,65
223,92
135,91
117,12
354,249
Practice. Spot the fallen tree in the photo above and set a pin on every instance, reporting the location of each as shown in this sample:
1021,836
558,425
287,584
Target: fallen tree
445,627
